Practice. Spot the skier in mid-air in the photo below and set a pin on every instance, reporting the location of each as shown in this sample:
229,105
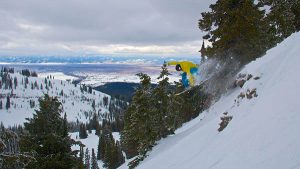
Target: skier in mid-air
189,70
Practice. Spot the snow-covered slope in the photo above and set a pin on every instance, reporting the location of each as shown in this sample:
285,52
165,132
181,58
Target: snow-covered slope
264,131
77,103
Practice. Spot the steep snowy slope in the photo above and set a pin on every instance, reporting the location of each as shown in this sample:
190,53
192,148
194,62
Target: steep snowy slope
79,102
264,130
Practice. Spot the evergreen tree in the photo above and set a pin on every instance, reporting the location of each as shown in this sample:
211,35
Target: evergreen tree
90,89
94,122
97,128
105,101
160,105
101,147
15,82
176,111
32,103
34,74
237,31
139,135
94,105
107,162
82,132
109,151
7,102
65,126
87,158
45,137
25,72
119,154
284,17
36,85
110,158
81,152
94,164
26,82
10,83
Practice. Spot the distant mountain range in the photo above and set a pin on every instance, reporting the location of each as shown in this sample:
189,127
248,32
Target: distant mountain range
94,70
92,59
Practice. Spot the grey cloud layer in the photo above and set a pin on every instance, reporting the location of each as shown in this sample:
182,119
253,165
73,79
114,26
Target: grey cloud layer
96,22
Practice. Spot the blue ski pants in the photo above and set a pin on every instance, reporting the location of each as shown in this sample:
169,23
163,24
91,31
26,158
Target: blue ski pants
185,80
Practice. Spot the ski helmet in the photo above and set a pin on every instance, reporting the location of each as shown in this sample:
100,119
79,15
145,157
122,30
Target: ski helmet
178,67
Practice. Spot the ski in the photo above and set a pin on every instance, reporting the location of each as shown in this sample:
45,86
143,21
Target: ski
190,88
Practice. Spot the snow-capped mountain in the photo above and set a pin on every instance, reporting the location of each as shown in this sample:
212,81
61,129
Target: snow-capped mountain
79,102
252,126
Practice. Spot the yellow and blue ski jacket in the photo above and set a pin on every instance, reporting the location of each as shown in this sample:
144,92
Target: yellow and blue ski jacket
186,66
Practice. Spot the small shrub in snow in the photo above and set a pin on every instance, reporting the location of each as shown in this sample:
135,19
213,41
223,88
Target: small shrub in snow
224,122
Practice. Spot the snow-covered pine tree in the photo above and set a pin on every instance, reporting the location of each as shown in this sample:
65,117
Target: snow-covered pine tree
10,156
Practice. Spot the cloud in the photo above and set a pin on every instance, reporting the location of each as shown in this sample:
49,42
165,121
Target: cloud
105,26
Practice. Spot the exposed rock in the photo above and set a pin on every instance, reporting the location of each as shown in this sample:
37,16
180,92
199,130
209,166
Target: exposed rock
249,77
224,122
251,93
241,95
240,82
256,78
242,78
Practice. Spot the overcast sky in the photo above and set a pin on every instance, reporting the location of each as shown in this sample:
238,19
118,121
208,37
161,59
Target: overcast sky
99,27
